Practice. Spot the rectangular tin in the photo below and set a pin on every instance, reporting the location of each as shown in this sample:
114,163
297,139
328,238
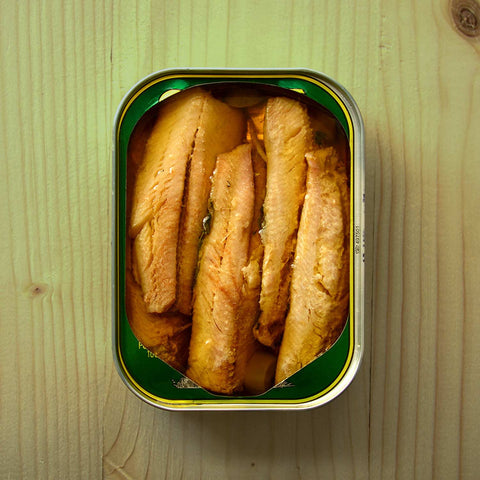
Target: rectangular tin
325,378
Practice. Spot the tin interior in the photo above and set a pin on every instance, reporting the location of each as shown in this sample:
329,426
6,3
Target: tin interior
151,378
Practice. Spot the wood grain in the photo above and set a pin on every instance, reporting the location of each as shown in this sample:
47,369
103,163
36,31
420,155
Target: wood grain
411,412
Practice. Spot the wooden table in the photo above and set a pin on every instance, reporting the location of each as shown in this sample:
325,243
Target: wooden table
413,409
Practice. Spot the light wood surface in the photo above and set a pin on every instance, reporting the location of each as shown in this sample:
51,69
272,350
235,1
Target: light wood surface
413,410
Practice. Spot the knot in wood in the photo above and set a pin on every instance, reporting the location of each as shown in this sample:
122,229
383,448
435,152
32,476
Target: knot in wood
466,16
37,290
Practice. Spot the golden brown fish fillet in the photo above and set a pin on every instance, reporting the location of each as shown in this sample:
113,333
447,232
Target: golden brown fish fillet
250,307
169,145
158,193
136,153
218,332
319,289
221,129
288,138
187,135
167,336
252,271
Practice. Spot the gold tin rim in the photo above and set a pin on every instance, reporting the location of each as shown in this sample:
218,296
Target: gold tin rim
356,141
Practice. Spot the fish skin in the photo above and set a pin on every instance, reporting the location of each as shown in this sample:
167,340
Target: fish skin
221,129
320,283
158,193
217,328
287,138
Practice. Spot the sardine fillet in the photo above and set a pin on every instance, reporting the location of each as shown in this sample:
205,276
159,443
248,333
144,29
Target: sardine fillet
319,289
167,336
221,129
288,138
171,193
250,307
217,330
157,197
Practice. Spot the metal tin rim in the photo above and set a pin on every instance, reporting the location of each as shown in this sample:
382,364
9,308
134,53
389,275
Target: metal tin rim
357,222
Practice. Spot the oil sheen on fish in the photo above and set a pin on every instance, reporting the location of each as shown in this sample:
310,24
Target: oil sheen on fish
287,137
218,332
319,287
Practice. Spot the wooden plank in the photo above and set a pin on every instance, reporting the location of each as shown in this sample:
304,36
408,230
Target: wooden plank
331,441
427,77
55,248
412,411
143,442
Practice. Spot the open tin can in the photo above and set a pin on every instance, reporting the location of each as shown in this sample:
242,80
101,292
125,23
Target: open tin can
324,378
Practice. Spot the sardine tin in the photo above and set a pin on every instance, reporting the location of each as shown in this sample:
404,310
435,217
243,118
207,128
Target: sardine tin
322,380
